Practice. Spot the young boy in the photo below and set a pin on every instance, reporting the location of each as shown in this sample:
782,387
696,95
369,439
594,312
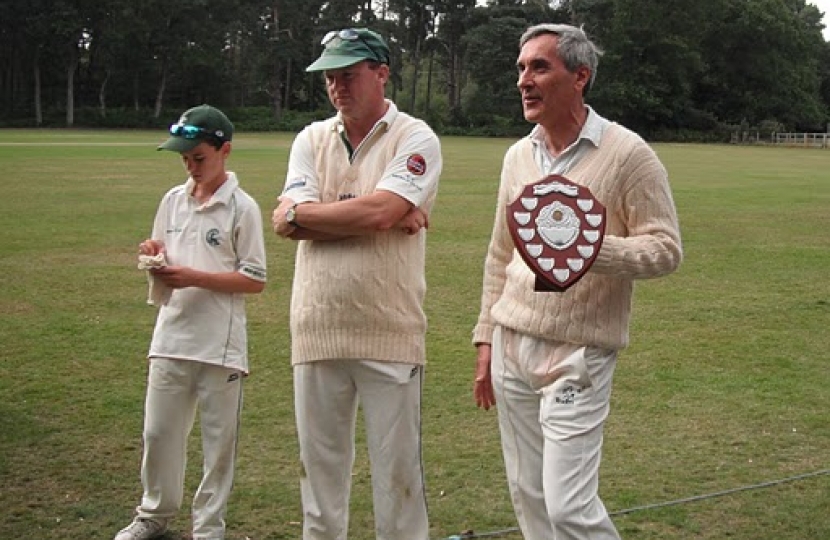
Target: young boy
205,252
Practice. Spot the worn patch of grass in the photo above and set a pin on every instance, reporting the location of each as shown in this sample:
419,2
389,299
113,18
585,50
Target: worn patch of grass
724,384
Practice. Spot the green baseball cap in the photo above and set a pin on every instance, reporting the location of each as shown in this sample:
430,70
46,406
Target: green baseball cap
344,48
195,125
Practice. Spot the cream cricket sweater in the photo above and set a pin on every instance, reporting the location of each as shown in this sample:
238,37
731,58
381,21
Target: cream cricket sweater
642,240
359,297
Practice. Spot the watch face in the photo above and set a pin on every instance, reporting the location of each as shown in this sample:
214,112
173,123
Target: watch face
290,214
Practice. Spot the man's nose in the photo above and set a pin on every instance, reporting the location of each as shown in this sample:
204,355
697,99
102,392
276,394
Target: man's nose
523,79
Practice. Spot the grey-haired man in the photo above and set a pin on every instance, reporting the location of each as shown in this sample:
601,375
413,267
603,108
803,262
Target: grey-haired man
548,358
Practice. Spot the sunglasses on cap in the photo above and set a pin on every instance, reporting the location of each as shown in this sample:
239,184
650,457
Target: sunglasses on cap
187,131
348,34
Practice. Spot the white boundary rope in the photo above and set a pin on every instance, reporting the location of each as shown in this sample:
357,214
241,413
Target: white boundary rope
494,534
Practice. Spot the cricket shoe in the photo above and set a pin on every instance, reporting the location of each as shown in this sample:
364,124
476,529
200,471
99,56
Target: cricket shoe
142,529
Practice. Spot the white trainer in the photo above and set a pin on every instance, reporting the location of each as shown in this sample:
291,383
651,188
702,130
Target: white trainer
141,529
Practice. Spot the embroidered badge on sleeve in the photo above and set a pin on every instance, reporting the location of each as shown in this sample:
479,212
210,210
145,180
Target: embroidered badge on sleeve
416,164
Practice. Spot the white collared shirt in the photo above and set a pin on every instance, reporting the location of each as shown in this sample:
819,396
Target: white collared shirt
223,234
417,148
589,136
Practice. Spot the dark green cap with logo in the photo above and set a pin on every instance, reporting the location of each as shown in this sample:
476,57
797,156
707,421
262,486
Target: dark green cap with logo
197,125
344,48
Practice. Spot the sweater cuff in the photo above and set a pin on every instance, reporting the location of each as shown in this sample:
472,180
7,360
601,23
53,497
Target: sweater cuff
482,333
608,254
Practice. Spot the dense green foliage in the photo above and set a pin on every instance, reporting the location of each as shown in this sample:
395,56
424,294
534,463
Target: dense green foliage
671,70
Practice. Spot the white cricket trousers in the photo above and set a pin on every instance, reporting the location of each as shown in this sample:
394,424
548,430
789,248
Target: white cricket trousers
174,390
552,401
326,395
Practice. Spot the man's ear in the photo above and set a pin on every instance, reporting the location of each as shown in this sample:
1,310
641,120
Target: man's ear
383,72
583,78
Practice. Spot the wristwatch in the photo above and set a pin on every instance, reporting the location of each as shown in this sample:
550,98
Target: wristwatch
291,215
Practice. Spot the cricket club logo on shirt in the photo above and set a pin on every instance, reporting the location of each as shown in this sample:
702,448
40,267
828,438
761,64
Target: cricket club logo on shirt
416,164
213,238
557,227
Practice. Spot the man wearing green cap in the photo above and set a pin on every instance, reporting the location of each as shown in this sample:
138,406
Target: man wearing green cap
359,190
205,252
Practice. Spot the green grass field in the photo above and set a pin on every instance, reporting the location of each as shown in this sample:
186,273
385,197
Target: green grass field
725,384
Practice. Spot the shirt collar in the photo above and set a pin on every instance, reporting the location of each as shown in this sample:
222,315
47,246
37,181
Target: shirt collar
380,127
222,195
385,121
591,131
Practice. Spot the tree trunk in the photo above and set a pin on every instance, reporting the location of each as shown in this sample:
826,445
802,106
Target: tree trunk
136,87
416,72
276,95
102,96
429,83
458,83
287,93
452,81
276,81
160,94
38,103
71,68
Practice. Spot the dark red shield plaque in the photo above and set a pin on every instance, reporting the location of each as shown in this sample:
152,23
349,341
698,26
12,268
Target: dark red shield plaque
557,227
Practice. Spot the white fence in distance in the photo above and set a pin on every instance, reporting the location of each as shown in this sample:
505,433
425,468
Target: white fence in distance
809,140
813,140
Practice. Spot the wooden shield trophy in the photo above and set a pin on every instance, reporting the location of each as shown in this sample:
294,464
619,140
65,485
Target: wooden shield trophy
557,227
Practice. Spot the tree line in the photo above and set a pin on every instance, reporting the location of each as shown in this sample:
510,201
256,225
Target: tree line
671,69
